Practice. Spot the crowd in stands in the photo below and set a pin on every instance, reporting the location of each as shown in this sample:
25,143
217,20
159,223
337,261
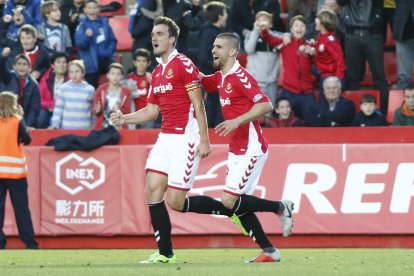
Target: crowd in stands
55,54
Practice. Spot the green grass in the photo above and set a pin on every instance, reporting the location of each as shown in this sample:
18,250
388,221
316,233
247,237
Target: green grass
212,262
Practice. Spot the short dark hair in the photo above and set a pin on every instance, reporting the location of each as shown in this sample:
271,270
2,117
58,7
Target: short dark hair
213,10
142,52
116,65
368,98
57,55
173,29
232,38
22,56
278,100
410,87
300,18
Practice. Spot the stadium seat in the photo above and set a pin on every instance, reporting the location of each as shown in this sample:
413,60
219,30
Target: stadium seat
395,100
390,66
121,11
355,96
119,26
389,42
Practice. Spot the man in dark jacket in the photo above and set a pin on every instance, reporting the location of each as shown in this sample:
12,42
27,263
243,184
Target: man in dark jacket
404,36
363,22
335,111
22,84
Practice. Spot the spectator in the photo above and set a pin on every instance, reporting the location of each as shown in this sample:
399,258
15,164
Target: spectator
335,111
21,84
2,6
96,43
404,116
72,13
73,107
110,97
31,10
55,35
10,26
329,58
216,14
404,36
306,8
297,68
50,87
175,10
244,12
389,12
13,173
369,115
141,80
263,61
28,45
364,42
282,115
140,24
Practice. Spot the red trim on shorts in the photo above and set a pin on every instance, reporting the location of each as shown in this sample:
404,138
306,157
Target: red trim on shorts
155,171
177,188
232,193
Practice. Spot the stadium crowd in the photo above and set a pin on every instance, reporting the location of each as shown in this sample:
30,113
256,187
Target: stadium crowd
58,57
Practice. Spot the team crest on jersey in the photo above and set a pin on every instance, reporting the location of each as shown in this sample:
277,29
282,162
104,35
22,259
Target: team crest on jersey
170,73
228,88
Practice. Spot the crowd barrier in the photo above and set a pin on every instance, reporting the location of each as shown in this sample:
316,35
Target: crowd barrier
347,181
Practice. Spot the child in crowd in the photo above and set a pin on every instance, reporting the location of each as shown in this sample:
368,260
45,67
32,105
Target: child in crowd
10,26
31,10
96,43
297,65
21,84
13,173
141,81
55,35
110,97
329,58
282,115
369,115
50,87
73,107
28,45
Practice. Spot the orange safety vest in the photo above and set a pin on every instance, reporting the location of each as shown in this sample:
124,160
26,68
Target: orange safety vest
12,160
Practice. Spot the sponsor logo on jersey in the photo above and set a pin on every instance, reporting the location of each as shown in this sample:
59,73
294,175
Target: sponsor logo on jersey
225,101
170,73
162,88
257,98
228,88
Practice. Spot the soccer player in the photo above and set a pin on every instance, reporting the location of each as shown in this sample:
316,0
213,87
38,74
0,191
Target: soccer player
243,102
172,164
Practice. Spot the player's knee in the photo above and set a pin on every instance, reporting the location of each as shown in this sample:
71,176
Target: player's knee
227,202
175,204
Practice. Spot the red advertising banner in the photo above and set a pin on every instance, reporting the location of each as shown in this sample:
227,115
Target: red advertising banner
336,188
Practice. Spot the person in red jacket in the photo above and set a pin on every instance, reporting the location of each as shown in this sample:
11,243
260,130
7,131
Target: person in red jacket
282,115
111,96
329,57
297,65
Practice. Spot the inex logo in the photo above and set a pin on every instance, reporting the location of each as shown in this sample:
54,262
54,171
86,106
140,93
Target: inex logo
73,173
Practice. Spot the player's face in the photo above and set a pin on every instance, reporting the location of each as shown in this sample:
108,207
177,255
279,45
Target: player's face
221,53
60,66
141,63
75,73
28,41
22,67
368,108
283,109
298,29
115,76
409,98
161,42
331,90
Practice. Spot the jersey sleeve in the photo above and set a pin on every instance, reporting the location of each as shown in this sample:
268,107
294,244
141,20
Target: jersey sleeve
209,83
250,88
189,75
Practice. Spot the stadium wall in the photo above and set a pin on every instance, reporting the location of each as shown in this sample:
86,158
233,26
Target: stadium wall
352,188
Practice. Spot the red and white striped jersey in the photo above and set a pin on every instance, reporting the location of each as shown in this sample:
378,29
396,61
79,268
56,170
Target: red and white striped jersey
170,85
239,91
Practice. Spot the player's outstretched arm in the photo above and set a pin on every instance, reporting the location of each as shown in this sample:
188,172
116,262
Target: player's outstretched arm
148,113
258,110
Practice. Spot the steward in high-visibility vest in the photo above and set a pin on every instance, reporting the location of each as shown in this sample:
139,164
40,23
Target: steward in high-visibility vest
12,160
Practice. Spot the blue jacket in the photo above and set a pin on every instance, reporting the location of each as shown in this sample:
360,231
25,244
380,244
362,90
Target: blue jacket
98,48
31,12
319,115
375,119
9,81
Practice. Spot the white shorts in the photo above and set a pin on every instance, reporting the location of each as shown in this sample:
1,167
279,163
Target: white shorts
174,155
243,173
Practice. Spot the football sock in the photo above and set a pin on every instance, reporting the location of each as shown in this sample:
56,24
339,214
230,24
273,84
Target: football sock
161,224
252,225
249,203
205,205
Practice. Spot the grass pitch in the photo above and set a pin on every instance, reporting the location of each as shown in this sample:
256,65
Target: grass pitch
212,262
